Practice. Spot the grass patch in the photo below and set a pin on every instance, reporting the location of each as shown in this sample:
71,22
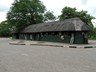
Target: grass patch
88,47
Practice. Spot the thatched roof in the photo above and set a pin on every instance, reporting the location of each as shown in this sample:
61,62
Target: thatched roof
73,24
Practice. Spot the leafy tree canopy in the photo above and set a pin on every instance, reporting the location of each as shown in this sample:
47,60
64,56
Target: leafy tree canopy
4,29
27,12
68,12
49,16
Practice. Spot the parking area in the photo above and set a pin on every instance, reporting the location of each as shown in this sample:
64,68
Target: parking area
31,58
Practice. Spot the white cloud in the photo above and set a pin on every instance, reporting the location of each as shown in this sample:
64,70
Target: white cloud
4,7
91,3
2,16
6,3
84,1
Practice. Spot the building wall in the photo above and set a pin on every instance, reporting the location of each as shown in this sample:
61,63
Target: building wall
65,37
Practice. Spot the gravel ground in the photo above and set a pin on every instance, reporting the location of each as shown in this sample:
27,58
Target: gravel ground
26,58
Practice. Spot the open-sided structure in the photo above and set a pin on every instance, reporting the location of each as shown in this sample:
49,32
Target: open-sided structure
72,31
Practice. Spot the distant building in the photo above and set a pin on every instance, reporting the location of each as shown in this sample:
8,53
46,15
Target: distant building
72,31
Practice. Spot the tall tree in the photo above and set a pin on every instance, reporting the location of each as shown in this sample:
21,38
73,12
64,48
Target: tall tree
26,12
68,12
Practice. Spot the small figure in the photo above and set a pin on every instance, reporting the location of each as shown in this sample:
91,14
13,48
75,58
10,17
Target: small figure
72,39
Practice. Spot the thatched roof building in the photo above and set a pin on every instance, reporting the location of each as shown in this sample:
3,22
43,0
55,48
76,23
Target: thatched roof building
74,24
73,27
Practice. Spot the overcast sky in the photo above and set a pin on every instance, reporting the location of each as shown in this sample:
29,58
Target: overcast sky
54,5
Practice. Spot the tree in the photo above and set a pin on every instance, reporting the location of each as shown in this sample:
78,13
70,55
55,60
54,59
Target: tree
49,16
68,12
4,29
26,12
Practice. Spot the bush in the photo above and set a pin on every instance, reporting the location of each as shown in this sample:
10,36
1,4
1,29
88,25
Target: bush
4,30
